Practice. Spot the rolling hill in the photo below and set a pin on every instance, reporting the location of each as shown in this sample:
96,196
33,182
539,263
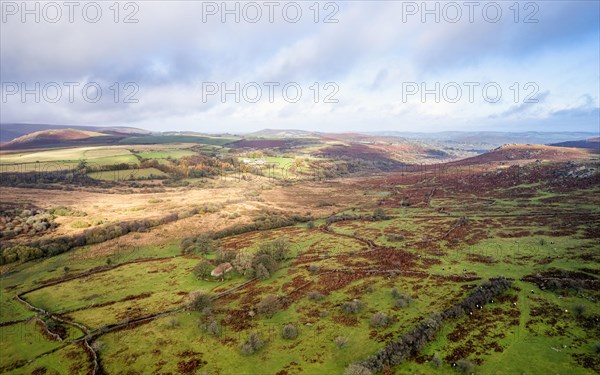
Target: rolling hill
57,137
513,153
11,131
591,143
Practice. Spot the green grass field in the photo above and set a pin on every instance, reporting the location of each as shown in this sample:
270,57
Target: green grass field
128,174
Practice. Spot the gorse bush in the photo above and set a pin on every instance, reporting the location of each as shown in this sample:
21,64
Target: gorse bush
356,369
313,268
402,300
268,305
253,344
464,366
314,295
380,319
352,307
211,327
64,211
289,332
199,301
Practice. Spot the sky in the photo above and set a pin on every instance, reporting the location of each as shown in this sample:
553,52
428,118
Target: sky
340,66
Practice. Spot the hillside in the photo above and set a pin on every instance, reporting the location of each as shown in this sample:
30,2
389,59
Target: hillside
514,153
592,143
46,138
491,139
11,131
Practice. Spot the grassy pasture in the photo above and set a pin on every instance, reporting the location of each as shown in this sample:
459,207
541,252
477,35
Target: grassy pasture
128,174
64,159
164,154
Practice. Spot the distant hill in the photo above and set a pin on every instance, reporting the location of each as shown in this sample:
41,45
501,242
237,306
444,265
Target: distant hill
513,152
53,137
8,132
491,139
592,144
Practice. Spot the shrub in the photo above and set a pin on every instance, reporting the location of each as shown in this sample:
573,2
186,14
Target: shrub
341,341
280,249
325,204
64,211
379,214
243,262
252,344
402,300
261,272
314,295
396,237
436,361
464,366
80,224
579,309
356,369
172,323
200,301
597,347
269,264
203,269
20,253
323,313
269,305
380,319
352,307
224,256
186,244
313,268
204,244
211,327
289,332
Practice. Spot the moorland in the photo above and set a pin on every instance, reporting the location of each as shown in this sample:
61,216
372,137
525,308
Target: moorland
124,251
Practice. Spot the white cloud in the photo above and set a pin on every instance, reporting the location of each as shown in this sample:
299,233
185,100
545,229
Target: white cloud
370,53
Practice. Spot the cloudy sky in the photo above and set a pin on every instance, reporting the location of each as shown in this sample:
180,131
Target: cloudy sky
333,66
